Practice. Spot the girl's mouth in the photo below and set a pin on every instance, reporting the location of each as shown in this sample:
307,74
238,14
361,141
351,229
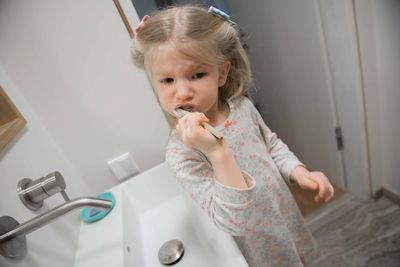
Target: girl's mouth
182,110
186,108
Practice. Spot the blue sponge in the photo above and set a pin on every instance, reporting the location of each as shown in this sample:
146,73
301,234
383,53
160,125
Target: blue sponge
90,215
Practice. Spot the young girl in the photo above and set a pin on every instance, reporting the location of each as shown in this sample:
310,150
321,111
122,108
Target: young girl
194,61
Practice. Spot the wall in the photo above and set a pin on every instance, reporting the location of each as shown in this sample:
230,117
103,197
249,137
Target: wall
34,154
379,34
66,66
71,61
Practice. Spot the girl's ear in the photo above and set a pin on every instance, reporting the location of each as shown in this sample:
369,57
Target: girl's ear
223,73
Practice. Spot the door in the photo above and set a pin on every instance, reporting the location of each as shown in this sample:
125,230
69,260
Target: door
292,79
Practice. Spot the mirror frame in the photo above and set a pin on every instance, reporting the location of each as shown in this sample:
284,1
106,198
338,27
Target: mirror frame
11,120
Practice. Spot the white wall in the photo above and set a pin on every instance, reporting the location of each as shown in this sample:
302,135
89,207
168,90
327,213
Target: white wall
66,65
71,61
34,154
379,33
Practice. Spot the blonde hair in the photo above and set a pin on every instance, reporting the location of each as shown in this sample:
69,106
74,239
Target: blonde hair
198,35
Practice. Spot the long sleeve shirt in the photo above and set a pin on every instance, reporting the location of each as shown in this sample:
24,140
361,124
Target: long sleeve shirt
264,218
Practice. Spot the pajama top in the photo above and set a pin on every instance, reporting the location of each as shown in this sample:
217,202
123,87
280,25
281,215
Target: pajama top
264,218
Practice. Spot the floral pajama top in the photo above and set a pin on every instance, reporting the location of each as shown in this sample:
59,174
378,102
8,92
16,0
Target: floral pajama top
264,218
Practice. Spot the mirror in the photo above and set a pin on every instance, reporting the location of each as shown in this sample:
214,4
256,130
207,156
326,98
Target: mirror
11,120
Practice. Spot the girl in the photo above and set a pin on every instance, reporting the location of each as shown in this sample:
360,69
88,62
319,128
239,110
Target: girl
194,61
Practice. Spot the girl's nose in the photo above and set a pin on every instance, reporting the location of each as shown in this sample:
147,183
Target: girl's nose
183,91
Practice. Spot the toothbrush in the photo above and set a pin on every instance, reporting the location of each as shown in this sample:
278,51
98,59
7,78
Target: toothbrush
179,113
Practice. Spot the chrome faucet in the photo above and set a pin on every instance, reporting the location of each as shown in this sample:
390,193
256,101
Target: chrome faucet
12,234
15,237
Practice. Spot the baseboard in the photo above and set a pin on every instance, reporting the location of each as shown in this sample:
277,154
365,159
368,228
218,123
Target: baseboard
387,193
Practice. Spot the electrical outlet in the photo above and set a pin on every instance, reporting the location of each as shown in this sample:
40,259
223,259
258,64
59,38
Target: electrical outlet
123,166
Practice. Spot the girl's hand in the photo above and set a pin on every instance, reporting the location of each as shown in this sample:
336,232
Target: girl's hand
315,181
190,129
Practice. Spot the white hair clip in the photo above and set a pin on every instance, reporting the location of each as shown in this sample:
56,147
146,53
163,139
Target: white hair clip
220,14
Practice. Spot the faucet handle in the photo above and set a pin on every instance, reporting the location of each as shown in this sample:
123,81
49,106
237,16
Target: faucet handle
32,193
54,183
64,195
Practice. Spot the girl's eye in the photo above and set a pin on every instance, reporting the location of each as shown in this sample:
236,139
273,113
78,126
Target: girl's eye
167,80
199,75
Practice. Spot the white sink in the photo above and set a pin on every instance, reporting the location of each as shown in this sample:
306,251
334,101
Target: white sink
150,210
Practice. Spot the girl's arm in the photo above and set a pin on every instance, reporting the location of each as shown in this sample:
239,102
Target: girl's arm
290,167
226,170
193,134
213,180
284,159
231,209
314,181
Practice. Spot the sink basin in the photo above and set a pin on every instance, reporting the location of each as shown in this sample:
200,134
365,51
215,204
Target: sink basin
150,210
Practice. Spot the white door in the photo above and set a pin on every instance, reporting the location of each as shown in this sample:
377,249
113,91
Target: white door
292,79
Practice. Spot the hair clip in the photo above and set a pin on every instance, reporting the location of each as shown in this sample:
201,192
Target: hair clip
138,28
220,14
142,23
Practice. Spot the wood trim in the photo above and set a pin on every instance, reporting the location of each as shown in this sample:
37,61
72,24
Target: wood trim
11,120
123,17
10,130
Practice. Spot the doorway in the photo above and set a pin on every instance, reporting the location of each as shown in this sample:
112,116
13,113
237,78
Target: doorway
306,71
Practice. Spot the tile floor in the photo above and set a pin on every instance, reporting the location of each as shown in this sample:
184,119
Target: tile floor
350,232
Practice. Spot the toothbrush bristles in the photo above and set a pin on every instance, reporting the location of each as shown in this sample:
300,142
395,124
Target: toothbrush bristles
179,112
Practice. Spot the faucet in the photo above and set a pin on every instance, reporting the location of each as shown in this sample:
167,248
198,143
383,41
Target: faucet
12,234
14,237
49,216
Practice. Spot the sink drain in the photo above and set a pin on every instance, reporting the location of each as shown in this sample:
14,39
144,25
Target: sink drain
171,252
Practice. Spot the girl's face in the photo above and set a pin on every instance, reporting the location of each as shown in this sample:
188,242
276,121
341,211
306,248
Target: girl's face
183,83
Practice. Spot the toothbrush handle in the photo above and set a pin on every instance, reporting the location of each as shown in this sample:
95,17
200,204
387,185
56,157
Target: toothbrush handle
179,113
212,130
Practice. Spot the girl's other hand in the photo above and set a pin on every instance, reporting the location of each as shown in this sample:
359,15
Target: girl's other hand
190,129
316,181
